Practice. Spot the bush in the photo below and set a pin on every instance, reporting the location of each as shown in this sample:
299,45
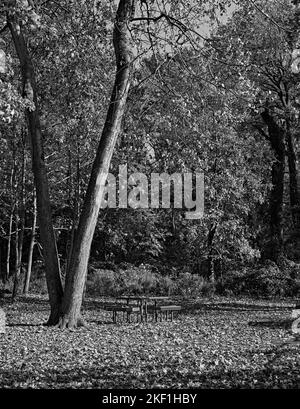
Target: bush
192,285
145,279
134,280
102,282
166,286
266,280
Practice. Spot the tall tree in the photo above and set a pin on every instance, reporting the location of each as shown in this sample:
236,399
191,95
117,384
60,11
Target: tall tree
274,246
48,240
76,273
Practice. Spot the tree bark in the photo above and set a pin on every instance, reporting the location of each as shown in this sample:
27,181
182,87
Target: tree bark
210,258
293,178
31,247
20,218
77,269
274,246
10,222
48,240
76,205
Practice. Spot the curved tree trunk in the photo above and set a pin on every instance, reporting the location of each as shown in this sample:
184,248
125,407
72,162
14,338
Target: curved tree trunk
77,269
274,246
48,240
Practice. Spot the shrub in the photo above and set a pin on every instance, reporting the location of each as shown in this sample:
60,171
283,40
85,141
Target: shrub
102,282
134,280
139,280
166,286
192,285
233,283
266,280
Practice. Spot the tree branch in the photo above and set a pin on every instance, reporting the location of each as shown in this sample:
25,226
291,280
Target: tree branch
269,18
4,28
262,132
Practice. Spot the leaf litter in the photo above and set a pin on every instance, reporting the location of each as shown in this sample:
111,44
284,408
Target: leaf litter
212,344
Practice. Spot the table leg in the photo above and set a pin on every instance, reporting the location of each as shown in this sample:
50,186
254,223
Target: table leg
155,311
146,312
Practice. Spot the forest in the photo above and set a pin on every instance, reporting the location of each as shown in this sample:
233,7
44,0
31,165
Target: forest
161,87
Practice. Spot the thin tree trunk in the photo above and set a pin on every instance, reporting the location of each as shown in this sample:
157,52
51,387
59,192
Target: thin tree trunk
10,223
17,254
2,275
210,258
20,217
274,246
31,246
48,240
76,205
76,273
294,187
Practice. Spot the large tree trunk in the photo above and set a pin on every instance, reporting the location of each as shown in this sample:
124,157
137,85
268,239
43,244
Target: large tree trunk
274,246
76,273
48,240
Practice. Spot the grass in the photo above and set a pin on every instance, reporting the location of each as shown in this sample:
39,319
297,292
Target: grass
213,343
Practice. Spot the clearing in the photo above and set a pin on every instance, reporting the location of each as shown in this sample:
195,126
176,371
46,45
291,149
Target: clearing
213,343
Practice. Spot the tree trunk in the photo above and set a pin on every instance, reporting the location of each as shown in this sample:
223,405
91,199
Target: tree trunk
48,240
274,246
76,273
20,218
294,188
17,254
76,206
210,258
31,246
10,222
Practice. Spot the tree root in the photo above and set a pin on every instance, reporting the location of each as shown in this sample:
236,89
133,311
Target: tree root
66,322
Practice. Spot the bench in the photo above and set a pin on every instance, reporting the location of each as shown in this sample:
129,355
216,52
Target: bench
125,309
167,310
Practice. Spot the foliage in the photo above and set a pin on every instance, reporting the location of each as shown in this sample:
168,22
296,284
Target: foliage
193,285
143,279
194,105
267,280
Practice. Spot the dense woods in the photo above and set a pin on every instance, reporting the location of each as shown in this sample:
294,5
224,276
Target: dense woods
161,86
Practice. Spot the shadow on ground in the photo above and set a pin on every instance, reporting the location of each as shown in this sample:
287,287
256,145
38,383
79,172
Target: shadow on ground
224,306
275,324
96,377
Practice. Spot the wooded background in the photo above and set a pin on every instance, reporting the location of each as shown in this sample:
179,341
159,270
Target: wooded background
88,85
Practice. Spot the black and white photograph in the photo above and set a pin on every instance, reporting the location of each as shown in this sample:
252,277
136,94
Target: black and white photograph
149,199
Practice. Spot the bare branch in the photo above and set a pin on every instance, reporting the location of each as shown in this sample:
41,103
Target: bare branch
269,17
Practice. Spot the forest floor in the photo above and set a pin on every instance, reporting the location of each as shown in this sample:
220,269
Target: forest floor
213,343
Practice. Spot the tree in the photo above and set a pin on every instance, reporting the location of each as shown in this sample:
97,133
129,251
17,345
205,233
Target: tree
274,246
54,283
76,274
258,55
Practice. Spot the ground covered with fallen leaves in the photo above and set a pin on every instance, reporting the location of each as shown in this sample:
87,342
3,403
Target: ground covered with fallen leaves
213,343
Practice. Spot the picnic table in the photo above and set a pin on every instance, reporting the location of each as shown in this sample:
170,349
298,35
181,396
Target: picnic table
142,305
143,302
